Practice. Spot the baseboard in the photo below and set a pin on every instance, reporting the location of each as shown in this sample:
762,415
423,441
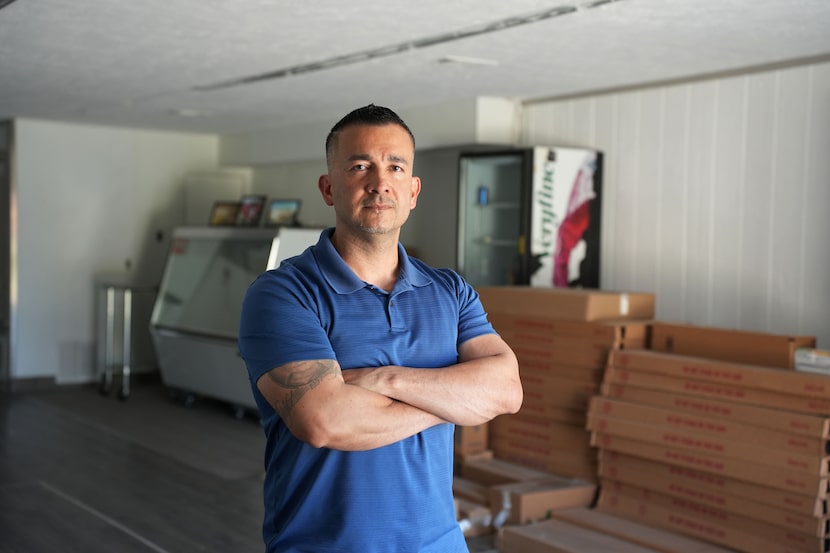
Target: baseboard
46,383
33,384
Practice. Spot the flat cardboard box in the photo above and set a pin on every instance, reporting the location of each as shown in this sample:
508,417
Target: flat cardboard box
592,376
553,341
568,304
689,523
721,372
610,334
719,427
705,513
492,472
526,502
550,357
623,467
792,481
793,423
782,518
635,532
546,410
556,536
542,431
737,346
724,392
471,439
574,464
459,459
464,488
701,442
565,393
576,445
538,405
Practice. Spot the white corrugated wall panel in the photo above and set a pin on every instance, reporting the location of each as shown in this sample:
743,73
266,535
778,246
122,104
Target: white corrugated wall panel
785,296
701,193
716,194
672,217
815,256
757,219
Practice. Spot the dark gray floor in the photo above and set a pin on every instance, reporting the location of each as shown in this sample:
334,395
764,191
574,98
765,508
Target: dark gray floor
80,472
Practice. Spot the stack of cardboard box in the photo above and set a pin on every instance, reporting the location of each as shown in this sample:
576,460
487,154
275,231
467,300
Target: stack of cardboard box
712,434
492,493
532,511
562,338
582,530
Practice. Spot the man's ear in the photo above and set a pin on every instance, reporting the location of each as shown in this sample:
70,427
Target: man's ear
416,191
324,184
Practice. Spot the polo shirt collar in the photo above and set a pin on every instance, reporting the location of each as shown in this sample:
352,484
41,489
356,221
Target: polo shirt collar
343,280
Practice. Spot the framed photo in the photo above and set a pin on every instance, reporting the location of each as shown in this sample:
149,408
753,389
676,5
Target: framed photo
282,213
250,211
224,213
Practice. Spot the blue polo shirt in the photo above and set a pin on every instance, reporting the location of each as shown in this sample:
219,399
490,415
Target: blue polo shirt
396,498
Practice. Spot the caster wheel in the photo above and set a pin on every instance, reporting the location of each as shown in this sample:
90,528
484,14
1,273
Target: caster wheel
188,400
123,395
239,413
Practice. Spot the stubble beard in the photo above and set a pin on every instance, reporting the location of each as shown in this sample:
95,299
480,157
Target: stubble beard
380,227
377,228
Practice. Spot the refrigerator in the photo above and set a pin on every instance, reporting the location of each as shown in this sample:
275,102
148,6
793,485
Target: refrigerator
530,216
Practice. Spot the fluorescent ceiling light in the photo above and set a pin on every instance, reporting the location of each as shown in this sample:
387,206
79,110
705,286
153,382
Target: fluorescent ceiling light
467,60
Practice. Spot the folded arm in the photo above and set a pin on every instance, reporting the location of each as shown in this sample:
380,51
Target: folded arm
484,384
321,409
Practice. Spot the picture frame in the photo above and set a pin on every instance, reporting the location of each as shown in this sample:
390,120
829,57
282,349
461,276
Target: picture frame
250,210
282,212
223,213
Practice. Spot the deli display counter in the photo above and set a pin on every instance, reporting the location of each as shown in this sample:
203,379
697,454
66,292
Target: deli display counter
195,319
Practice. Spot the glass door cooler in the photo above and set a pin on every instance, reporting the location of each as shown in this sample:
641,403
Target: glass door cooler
530,216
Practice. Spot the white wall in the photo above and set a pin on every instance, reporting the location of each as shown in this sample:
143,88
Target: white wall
296,180
444,124
716,195
479,120
90,200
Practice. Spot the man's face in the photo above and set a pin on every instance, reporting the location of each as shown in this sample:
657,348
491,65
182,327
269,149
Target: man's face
370,182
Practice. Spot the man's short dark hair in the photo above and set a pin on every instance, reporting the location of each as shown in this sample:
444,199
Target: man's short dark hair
367,115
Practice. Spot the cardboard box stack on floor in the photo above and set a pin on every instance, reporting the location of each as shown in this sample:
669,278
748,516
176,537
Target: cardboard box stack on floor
494,493
714,435
471,442
562,338
581,530
534,511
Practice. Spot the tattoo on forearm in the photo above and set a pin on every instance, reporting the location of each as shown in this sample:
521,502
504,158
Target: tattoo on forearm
298,379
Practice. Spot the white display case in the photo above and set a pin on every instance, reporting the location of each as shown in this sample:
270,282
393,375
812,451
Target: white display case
195,318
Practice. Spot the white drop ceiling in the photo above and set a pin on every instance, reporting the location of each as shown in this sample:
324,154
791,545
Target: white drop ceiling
151,64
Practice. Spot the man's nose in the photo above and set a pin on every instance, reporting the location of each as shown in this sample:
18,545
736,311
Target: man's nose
378,182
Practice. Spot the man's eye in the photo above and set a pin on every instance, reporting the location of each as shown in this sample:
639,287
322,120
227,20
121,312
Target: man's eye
359,167
397,168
